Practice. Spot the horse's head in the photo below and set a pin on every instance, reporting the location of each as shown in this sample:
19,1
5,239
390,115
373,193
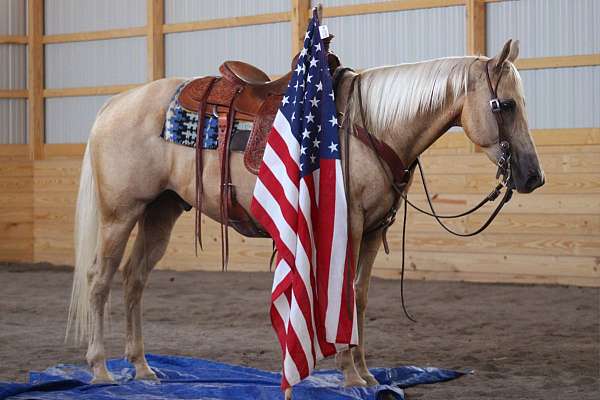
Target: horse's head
504,118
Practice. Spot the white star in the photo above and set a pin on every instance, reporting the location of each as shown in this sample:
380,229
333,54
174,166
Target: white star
286,100
296,85
294,115
332,96
333,120
319,86
312,159
318,128
305,134
311,118
308,78
318,47
294,102
302,85
332,147
302,150
313,62
316,142
306,35
299,68
314,102
303,52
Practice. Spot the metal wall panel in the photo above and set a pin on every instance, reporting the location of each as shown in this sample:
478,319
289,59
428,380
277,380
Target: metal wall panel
13,17
545,27
200,10
100,62
334,3
70,119
563,97
370,40
13,66
201,52
13,121
70,16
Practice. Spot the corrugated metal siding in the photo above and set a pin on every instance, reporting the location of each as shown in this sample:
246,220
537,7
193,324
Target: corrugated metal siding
13,66
201,10
70,16
563,97
69,119
333,3
370,40
201,53
545,27
100,62
12,17
13,121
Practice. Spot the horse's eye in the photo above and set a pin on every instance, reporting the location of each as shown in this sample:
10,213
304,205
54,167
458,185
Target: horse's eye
509,104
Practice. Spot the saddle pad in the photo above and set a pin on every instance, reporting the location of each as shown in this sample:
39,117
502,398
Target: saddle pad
181,126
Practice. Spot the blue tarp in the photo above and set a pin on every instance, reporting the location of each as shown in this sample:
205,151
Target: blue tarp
191,378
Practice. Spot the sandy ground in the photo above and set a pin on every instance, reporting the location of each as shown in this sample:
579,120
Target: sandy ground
524,342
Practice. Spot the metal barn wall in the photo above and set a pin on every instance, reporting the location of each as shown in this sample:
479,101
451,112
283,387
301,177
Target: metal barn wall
89,63
13,73
201,52
364,41
556,98
202,10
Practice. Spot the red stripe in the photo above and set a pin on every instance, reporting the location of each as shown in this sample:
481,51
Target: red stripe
267,222
281,149
275,187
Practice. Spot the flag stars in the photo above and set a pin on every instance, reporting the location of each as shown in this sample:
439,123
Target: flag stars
302,150
312,159
311,118
332,95
294,115
333,120
303,52
316,143
314,102
305,134
319,86
308,78
299,68
285,100
333,147
313,62
317,47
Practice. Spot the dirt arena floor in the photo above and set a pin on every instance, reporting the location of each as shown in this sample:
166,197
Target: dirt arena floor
523,342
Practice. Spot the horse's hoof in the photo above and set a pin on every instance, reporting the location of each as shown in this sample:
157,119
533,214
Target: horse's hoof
358,381
145,374
288,394
370,379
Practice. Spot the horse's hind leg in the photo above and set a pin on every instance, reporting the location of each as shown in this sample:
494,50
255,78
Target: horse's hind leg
154,231
114,233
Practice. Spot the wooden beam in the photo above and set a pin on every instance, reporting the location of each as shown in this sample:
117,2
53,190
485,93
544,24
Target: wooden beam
64,150
259,19
155,39
88,91
388,6
585,60
13,94
13,39
299,19
475,27
35,78
14,151
95,35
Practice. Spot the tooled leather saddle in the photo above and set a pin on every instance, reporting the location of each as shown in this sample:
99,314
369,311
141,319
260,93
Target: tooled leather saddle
242,93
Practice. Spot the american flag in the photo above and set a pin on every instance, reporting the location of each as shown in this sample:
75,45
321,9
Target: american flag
299,199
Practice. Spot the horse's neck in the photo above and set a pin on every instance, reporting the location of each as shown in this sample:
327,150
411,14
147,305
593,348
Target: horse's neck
412,137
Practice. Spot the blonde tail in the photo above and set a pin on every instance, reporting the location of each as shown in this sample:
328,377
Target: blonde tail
86,239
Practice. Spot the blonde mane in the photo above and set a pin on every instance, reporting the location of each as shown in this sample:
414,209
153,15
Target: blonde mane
395,94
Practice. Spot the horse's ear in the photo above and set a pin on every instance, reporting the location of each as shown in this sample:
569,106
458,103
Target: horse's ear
503,55
514,51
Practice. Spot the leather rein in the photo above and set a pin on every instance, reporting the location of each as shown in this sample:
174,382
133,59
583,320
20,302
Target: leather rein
399,175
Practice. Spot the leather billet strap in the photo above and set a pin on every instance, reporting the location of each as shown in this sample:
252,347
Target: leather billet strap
200,166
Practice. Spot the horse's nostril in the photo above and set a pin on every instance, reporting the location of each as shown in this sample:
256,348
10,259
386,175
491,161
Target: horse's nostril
534,180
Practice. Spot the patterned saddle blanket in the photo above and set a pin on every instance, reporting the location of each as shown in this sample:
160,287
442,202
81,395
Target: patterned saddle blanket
181,127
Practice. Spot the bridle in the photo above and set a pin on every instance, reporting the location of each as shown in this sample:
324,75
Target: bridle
399,175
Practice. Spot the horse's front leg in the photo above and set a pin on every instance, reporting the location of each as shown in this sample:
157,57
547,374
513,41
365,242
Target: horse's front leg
368,251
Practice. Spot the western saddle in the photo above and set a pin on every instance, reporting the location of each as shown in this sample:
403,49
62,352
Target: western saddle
242,93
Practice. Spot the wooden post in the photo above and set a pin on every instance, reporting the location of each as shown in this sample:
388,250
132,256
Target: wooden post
300,16
155,39
35,79
476,27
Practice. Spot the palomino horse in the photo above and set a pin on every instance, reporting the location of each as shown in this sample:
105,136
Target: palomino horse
130,176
